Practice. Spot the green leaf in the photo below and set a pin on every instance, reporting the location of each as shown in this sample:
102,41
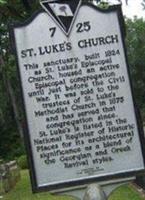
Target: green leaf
3,1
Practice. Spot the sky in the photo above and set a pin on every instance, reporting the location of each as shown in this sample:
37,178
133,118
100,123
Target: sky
134,7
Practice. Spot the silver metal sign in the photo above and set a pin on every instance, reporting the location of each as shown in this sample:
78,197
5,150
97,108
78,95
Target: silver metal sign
80,113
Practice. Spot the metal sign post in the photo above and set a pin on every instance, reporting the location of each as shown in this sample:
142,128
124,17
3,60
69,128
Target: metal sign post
96,191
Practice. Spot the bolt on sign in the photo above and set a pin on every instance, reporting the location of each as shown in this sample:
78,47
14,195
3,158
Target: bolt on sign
81,119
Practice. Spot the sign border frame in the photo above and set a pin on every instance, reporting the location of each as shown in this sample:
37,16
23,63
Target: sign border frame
66,184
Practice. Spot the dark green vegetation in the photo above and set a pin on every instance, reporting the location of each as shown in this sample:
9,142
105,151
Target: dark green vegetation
22,162
22,191
135,42
11,114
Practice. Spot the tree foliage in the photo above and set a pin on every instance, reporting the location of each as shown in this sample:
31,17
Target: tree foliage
136,54
11,115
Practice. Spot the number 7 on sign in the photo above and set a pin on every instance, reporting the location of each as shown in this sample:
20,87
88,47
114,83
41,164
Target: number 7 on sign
52,30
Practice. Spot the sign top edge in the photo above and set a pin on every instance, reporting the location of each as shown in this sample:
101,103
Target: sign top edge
28,21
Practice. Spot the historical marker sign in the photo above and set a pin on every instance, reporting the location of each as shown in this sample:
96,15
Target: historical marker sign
81,119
